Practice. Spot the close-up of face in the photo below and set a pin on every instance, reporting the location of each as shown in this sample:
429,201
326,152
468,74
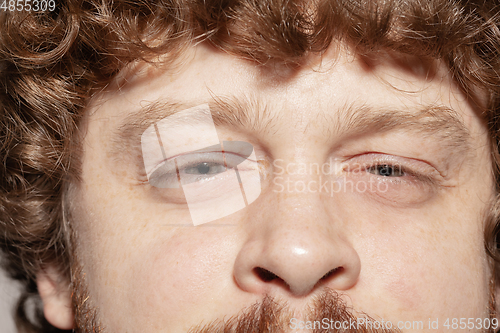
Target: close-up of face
211,187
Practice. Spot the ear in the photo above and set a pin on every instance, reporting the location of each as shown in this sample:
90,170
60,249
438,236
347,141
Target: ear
56,298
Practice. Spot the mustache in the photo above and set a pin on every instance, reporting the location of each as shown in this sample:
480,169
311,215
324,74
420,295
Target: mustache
328,311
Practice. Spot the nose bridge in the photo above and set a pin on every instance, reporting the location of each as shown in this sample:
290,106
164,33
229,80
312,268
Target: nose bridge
296,244
297,212
301,207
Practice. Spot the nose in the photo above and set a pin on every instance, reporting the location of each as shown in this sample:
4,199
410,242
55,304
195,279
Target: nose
295,245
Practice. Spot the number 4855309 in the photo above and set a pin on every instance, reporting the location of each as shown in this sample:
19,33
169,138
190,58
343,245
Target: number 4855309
28,5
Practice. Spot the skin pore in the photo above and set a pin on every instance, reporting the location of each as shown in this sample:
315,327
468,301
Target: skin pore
409,248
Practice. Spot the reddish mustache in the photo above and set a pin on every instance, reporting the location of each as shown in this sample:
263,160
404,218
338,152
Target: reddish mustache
271,316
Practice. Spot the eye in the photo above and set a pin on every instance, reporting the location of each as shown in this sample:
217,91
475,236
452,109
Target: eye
199,167
391,180
205,168
386,170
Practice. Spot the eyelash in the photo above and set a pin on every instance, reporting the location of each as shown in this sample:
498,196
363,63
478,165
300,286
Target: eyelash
395,169
208,158
408,174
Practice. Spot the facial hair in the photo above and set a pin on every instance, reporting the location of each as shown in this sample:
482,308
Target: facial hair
86,314
327,313
272,316
266,316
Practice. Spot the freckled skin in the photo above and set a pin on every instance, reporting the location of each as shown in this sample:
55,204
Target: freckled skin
400,262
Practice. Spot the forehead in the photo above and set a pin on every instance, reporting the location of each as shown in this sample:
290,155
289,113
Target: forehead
337,80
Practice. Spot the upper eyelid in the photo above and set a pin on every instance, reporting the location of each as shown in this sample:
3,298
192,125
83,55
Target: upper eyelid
415,163
381,158
204,153
413,167
200,159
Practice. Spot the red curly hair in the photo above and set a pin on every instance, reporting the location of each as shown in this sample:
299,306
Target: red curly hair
52,62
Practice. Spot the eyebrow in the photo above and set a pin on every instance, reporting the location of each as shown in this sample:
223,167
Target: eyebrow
434,121
439,122
227,112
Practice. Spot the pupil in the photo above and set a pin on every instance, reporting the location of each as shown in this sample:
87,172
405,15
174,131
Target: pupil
203,168
386,170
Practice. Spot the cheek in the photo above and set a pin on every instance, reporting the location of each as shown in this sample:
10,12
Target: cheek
141,274
392,270
177,277
423,266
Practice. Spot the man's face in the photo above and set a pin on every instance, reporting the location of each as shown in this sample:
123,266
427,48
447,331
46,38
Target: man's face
396,229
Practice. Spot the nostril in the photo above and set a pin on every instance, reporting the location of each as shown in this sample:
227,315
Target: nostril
332,273
264,274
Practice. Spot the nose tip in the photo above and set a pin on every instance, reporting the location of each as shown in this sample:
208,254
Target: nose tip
296,287
297,268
